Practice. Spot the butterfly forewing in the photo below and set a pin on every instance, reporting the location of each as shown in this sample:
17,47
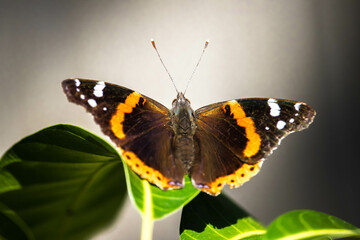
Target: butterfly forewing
234,137
98,98
132,121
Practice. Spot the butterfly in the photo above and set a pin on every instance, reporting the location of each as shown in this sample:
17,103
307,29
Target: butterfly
221,143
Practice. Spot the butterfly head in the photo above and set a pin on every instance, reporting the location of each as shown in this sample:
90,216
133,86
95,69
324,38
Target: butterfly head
179,103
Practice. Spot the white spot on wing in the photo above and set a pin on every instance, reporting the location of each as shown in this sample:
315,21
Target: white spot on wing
78,90
274,107
92,103
82,96
105,108
267,128
77,82
280,124
291,120
98,89
261,162
297,106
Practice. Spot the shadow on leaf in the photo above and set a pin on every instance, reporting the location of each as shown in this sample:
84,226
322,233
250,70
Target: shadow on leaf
214,217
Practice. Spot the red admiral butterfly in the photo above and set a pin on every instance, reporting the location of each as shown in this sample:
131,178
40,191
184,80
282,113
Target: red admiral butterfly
219,144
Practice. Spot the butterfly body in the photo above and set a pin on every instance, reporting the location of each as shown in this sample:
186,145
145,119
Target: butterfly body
219,144
184,127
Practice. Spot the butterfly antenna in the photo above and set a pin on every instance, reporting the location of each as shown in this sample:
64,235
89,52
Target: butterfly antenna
153,43
192,75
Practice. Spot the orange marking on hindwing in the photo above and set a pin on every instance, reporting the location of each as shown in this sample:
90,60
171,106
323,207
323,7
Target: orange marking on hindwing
118,118
238,178
254,140
146,172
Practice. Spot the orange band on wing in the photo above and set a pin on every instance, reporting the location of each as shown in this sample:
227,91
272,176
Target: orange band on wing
254,140
146,172
234,180
127,107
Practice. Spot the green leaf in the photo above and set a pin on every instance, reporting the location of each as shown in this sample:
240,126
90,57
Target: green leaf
307,224
12,226
72,183
7,181
160,202
208,217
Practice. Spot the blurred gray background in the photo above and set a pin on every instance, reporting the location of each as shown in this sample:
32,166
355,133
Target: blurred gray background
300,50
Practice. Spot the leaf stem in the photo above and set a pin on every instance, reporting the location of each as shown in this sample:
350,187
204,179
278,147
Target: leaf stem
147,217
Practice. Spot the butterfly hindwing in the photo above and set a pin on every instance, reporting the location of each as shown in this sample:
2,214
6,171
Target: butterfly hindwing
234,137
132,121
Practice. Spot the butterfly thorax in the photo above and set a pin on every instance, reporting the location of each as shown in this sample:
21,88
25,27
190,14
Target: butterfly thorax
184,126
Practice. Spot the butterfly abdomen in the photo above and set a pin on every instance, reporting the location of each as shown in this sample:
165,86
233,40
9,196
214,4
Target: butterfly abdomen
183,148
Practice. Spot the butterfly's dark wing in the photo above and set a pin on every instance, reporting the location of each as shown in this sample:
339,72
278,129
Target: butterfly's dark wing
132,121
233,138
